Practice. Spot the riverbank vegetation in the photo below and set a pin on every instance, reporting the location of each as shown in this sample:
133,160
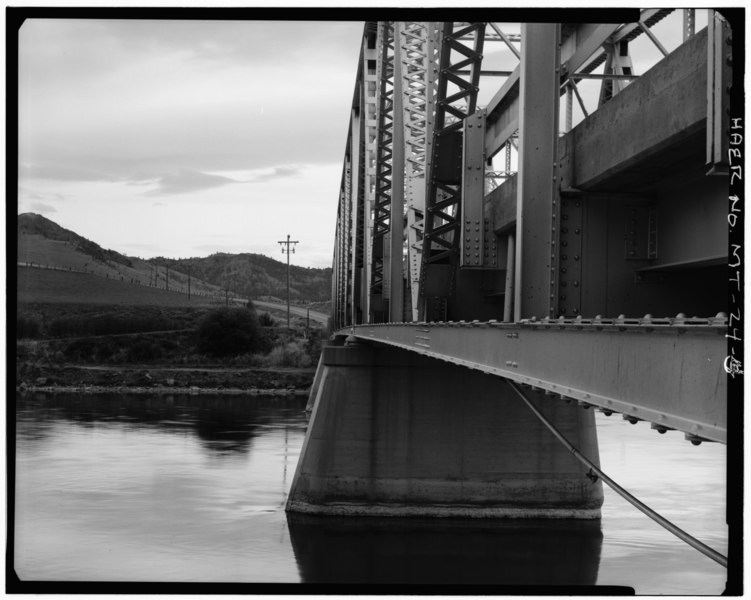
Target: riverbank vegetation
68,345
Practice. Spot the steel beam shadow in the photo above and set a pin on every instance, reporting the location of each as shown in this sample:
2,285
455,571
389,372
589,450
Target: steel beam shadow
665,371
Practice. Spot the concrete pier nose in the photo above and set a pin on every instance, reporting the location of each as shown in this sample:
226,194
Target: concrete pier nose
393,433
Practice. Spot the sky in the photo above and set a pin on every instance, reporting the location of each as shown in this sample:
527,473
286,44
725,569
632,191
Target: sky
185,138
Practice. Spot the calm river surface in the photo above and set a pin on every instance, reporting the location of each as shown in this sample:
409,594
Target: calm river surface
193,488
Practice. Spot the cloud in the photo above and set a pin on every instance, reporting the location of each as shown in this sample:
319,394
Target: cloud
41,208
125,101
276,173
220,42
186,181
42,203
62,172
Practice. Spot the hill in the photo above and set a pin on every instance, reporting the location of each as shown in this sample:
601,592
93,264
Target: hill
65,287
256,276
42,242
37,225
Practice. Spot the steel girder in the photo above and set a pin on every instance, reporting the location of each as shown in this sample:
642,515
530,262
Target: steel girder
583,48
350,267
456,99
343,241
665,371
431,146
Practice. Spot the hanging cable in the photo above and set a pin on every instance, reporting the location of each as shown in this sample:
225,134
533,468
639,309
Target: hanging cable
595,472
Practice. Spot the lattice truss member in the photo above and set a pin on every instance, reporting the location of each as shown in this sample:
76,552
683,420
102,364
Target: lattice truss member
449,210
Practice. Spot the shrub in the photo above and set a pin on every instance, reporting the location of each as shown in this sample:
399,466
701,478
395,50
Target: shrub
292,354
313,345
27,327
144,350
229,331
266,320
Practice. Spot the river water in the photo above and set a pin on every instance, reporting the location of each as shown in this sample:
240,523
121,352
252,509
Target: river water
192,489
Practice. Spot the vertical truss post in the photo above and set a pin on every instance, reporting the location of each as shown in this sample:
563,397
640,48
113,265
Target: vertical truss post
396,260
345,247
508,299
384,150
507,158
417,50
569,108
606,88
369,134
456,99
342,244
336,300
618,62
356,213
536,250
478,244
689,23
719,80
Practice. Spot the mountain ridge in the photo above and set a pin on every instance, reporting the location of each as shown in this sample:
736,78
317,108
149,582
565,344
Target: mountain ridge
245,274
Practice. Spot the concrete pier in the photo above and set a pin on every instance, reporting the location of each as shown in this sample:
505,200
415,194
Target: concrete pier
498,552
393,433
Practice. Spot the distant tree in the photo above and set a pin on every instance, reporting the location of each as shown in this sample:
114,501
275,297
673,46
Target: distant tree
229,332
266,320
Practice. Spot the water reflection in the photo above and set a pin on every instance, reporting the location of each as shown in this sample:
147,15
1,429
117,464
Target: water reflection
223,425
192,488
154,488
363,550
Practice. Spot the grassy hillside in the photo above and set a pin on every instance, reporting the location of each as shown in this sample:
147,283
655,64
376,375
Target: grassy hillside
34,248
43,242
34,224
51,286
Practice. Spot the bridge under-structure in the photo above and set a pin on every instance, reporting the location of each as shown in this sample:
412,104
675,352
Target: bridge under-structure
534,206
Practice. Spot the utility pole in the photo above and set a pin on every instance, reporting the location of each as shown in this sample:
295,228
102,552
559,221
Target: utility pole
287,252
188,282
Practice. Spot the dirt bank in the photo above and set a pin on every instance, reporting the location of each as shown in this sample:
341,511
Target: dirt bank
162,379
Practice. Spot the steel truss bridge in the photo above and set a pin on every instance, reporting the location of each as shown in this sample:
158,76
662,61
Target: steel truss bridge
546,203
